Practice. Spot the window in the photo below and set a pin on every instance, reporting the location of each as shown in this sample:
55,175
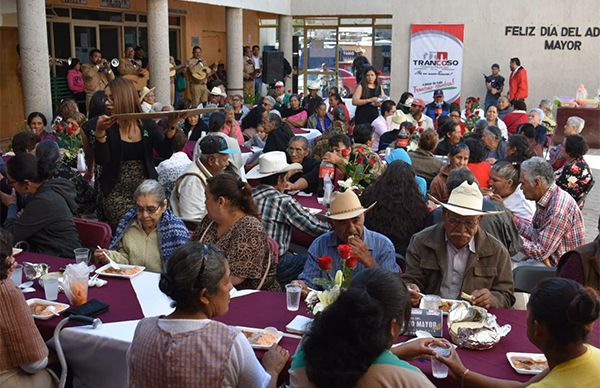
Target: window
88,14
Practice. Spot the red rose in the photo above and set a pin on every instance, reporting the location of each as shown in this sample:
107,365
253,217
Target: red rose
325,262
351,262
345,152
360,150
360,159
58,128
372,160
344,251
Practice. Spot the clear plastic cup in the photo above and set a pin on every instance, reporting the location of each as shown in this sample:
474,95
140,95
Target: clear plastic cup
292,296
439,369
431,302
17,275
51,288
82,255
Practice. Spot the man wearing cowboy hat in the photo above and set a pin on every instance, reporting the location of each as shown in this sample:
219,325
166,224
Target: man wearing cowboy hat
313,99
147,99
215,97
457,256
280,212
372,249
359,63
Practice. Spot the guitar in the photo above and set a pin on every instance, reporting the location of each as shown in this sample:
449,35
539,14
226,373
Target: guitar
173,69
140,79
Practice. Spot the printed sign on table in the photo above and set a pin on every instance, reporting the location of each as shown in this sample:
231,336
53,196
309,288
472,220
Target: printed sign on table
436,60
426,320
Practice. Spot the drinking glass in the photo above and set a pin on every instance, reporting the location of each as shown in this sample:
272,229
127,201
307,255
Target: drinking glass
81,255
431,302
292,296
51,288
439,369
17,275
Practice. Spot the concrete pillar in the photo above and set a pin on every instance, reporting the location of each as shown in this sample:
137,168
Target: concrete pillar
33,43
158,49
235,55
286,31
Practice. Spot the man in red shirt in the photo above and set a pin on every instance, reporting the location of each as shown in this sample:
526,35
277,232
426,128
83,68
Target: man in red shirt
518,84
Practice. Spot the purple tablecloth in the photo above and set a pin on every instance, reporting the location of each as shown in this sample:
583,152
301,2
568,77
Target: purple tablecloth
118,294
299,237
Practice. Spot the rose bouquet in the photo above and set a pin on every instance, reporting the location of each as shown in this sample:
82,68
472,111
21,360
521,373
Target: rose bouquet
68,139
318,301
358,170
472,110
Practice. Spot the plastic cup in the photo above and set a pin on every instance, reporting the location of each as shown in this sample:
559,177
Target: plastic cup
431,302
82,255
439,369
292,296
51,288
17,275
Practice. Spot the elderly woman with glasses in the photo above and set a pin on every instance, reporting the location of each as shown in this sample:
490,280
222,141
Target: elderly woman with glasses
188,348
148,234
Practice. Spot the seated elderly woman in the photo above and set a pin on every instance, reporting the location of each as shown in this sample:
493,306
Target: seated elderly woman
575,176
560,315
23,353
348,344
573,126
494,144
233,224
201,352
148,234
506,190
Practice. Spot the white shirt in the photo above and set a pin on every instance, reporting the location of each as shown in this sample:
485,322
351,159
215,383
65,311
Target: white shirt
256,61
503,129
426,122
146,108
243,368
456,264
188,201
380,126
519,206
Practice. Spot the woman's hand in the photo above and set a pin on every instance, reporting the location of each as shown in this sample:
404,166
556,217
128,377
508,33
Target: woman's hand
99,256
104,122
374,100
416,348
454,363
275,359
9,199
415,294
496,198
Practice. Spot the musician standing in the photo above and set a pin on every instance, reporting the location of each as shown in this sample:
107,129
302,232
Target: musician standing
248,72
128,64
198,87
96,75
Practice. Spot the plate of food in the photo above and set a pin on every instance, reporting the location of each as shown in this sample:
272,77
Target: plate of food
16,251
261,338
527,363
39,308
445,305
124,271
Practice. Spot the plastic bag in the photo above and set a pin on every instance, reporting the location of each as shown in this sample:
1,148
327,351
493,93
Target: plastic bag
81,166
75,283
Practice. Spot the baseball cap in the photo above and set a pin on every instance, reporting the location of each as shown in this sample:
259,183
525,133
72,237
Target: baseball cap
438,93
214,144
279,84
418,102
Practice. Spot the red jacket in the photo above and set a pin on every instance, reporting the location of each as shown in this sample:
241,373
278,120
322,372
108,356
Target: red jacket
518,84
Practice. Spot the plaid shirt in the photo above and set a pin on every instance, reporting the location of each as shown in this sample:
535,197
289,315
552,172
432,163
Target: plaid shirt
556,227
280,213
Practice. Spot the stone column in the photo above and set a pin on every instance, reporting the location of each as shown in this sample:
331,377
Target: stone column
286,31
33,43
235,55
158,49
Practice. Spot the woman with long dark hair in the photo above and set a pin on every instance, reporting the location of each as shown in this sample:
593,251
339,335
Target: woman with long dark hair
294,115
401,209
367,97
518,149
76,84
348,344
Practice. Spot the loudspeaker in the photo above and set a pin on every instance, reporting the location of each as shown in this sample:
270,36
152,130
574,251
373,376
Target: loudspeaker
272,67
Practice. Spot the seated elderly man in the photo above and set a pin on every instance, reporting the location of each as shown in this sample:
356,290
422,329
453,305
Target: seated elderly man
188,196
306,180
573,126
347,219
557,225
458,256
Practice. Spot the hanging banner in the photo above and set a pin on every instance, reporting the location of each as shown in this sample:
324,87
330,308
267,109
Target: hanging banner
436,60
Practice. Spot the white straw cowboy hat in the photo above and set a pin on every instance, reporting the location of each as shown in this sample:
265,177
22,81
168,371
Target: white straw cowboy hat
360,50
346,205
145,91
314,85
398,118
216,91
466,200
271,163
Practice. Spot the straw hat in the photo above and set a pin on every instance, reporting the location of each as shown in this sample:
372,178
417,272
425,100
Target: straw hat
216,91
360,50
466,200
314,85
398,118
271,163
345,206
145,91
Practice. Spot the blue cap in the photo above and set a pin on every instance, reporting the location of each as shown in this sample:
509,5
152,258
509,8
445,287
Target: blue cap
215,144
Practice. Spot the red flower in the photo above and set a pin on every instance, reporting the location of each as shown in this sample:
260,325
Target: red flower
325,263
372,160
360,159
351,262
360,150
345,152
344,250
58,128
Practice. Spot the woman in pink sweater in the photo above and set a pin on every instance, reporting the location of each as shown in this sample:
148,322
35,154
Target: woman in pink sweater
75,83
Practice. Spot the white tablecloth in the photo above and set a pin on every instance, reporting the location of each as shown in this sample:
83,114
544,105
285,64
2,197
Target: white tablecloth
311,135
98,356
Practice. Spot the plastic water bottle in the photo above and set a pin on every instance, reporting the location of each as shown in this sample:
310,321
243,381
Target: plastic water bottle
581,93
327,190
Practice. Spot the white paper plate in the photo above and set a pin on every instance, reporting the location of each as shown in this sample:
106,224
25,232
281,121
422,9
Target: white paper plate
101,271
60,307
16,251
313,210
532,356
258,332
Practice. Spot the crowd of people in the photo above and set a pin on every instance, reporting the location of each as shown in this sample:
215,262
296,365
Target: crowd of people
446,208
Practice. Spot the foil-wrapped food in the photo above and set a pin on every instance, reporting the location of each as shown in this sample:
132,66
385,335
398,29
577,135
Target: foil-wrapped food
472,327
34,270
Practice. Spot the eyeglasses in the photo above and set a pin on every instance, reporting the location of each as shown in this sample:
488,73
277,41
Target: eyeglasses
469,223
202,266
149,209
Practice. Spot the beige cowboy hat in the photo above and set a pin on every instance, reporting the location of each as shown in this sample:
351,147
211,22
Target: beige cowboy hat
145,91
271,163
360,50
346,205
466,200
216,91
398,118
314,85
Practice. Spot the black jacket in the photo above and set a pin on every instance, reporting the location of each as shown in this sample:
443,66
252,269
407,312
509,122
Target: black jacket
47,220
277,140
109,154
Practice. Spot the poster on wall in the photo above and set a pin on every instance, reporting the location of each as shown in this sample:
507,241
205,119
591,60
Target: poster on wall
436,60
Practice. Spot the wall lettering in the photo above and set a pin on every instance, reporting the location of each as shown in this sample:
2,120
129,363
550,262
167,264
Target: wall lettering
568,33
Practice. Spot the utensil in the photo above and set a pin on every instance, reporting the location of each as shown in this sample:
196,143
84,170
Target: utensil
26,285
52,309
27,290
113,265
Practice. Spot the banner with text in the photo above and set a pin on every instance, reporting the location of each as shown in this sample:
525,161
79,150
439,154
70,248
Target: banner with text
436,60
